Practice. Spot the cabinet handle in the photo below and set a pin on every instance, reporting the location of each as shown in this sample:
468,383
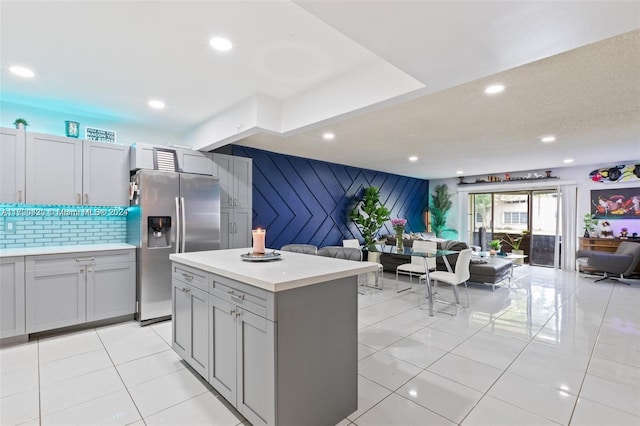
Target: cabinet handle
85,259
86,198
230,200
78,199
238,314
232,312
82,271
187,276
186,290
19,195
235,201
237,296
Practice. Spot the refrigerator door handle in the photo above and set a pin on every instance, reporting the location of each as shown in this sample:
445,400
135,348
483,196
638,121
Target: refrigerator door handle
178,226
184,225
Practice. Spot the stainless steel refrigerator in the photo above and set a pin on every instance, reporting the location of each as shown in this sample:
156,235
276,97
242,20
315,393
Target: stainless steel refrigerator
170,213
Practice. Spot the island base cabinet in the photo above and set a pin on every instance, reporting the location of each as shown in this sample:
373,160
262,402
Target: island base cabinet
244,372
191,325
12,322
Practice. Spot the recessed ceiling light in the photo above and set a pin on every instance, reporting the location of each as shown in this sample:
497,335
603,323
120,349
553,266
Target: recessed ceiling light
220,44
459,172
21,71
493,89
329,136
548,138
568,160
413,158
157,104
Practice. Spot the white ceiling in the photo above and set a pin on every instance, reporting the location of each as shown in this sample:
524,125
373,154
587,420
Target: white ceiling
390,78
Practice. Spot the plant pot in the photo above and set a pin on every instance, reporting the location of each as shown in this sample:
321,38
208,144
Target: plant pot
518,261
492,252
20,126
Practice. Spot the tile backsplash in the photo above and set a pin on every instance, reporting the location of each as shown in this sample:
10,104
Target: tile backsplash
38,226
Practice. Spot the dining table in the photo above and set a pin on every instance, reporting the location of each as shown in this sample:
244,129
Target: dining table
409,252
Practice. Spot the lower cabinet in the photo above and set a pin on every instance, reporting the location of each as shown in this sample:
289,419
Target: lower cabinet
12,321
191,325
73,288
243,372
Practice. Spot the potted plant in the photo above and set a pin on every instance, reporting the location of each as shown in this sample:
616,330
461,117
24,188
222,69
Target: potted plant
494,246
440,205
369,214
590,223
20,123
515,242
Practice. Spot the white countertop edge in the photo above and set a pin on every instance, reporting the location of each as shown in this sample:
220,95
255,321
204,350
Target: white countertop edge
356,269
36,251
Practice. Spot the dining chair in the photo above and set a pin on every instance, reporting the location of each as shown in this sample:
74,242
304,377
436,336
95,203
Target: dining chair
300,248
460,275
371,257
416,266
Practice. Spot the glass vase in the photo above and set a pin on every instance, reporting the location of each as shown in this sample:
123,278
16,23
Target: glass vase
399,242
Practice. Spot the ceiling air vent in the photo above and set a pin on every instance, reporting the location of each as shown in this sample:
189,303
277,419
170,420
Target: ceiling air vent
165,159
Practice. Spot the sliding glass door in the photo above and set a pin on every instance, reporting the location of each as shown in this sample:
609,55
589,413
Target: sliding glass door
530,214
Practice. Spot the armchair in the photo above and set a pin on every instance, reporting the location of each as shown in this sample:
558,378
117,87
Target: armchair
622,262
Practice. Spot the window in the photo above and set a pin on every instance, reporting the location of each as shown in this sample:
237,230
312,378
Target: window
514,218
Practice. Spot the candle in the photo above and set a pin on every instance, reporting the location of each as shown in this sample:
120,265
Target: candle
258,240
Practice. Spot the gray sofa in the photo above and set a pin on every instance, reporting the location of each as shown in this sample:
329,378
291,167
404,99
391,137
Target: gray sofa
487,271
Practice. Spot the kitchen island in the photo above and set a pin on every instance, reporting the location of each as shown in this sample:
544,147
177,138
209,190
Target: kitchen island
277,339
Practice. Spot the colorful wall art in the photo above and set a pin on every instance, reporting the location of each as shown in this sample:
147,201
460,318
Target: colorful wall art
621,203
621,173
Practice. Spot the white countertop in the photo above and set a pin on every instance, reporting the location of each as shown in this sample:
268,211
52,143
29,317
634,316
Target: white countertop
291,271
35,251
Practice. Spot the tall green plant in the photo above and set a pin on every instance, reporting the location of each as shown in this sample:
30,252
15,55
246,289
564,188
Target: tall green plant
440,205
369,215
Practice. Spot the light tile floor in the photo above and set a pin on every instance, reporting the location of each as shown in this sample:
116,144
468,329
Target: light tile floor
554,349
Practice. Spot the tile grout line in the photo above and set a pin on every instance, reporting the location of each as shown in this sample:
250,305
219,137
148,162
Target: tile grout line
120,377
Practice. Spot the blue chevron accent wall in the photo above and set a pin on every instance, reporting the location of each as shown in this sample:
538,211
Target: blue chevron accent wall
308,202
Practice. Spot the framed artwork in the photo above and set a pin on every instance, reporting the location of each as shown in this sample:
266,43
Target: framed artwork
621,203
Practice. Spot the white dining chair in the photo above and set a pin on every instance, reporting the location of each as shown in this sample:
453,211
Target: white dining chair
416,266
460,275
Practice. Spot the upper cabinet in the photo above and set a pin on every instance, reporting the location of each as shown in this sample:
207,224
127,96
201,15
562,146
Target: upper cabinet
189,161
105,174
236,177
68,171
12,162
54,169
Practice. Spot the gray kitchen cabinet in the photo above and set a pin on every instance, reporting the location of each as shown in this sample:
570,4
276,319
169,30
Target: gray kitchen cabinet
12,163
190,323
189,160
69,171
201,163
53,169
56,292
74,288
235,174
105,174
243,372
111,290
12,314
235,227
236,180
242,349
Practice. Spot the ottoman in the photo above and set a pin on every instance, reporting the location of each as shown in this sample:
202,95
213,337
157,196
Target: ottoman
493,271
